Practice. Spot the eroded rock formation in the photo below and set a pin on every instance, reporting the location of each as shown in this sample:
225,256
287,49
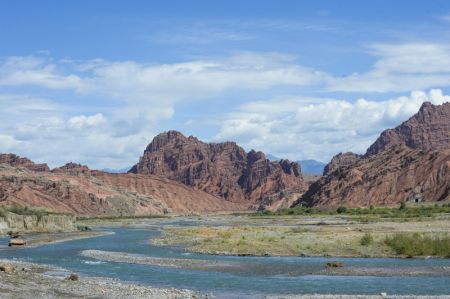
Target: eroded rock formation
222,169
429,129
89,192
341,160
408,163
17,161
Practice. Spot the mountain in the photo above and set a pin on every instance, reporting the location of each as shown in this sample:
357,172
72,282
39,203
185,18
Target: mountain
74,188
17,161
341,160
223,169
313,167
429,129
309,167
408,163
116,170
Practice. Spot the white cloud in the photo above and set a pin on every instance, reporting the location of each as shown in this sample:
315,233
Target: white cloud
297,129
400,67
82,121
128,100
31,70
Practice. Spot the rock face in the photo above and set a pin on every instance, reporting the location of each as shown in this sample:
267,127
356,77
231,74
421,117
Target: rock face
408,163
221,169
17,161
72,168
429,129
31,223
341,160
78,190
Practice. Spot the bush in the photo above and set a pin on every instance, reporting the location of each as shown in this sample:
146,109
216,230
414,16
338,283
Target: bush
341,210
419,245
402,206
367,239
73,277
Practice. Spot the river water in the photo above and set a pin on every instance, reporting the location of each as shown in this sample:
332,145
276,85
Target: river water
258,276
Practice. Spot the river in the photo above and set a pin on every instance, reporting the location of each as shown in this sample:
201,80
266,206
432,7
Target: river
257,277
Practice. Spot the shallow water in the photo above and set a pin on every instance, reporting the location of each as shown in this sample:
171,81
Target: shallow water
257,276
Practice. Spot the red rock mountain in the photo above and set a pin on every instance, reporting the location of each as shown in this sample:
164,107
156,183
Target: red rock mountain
17,161
408,163
429,129
75,189
341,160
221,169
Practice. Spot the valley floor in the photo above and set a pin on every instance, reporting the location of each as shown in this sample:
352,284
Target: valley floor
331,235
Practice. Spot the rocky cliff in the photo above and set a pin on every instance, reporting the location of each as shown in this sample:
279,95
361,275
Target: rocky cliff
341,160
408,163
223,170
32,223
17,161
429,129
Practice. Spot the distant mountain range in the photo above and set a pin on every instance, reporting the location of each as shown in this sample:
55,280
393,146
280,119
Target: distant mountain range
308,166
184,175
116,170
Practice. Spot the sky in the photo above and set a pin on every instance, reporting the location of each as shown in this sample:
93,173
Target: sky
93,82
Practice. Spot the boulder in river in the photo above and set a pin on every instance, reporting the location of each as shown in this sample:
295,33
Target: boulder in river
17,242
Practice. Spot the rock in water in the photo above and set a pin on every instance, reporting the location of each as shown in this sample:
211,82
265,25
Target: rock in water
17,242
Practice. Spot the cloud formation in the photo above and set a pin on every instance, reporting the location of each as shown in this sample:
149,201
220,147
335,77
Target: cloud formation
104,112
400,68
299,128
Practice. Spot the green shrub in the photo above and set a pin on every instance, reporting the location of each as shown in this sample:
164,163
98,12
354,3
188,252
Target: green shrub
367,239
419,245
402,206
341,210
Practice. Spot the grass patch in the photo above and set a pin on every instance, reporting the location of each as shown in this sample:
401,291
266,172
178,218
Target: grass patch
366,240
274,240
419,245
25,211
403,211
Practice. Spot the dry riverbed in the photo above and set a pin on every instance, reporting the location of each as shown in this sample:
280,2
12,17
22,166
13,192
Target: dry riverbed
39,281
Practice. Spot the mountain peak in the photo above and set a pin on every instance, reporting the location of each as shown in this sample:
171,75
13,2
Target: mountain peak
16,161
428,129
221,169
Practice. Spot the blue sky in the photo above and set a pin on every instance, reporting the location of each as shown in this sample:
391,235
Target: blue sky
94,81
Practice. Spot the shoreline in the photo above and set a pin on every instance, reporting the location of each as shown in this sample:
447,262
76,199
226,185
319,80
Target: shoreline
240,267
31,280
42,239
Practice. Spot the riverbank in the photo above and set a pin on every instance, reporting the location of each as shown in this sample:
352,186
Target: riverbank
29,280
356,297
39,239
240,267
300,236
